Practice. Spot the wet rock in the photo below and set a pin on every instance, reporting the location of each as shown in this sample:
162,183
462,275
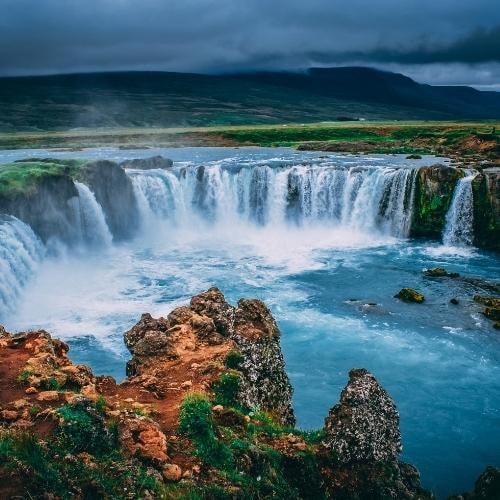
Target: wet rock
413,157
454,301
410,295
364,426
492,313
486,191
114,192
153,162
493,302
142,438
440,272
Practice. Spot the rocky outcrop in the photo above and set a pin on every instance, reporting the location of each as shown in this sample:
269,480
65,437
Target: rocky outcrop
210,323
362,436
114,192
410,295
433,194
151,163
264,383
364,426
486,192
50,208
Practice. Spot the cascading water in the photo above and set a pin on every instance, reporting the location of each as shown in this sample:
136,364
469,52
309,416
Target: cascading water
365,198
459,230
92,224
20,252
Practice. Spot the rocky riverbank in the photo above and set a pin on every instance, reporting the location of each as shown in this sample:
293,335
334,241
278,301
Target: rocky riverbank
205,412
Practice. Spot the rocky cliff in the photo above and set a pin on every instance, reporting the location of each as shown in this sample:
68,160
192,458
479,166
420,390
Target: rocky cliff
205,412
114,192
433,194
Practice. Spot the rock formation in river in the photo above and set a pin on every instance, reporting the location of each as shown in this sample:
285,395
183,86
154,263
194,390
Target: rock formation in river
205,412
114,192
433,194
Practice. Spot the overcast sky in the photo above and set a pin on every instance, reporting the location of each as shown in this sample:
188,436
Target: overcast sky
434,41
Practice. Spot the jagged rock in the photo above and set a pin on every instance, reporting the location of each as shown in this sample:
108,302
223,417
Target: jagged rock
142,438
492,313
410,295
150,163
213,304
364,426
48,396
149,338
264,382
440,272
488,301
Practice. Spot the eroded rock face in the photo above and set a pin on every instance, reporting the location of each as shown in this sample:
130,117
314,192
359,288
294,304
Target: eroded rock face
364,426
433,194
264,383
486,190
114,192
208,321
147,340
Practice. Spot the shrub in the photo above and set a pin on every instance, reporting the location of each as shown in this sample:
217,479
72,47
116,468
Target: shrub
226,389
83,429
233,359
195,417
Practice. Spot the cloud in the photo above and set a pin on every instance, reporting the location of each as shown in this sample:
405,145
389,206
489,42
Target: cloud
53,36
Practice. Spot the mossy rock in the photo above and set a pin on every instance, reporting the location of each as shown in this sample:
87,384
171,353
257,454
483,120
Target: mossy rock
440,272
492,313
488,301
410,295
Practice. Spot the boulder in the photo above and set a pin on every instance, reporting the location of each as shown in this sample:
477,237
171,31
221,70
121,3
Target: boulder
440,272
410,295
364,426
142,438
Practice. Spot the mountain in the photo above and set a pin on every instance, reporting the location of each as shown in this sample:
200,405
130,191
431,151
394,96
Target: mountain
161,99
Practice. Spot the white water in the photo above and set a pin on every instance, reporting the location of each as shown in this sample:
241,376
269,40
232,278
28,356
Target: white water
20,253
459,231
93,229
362,198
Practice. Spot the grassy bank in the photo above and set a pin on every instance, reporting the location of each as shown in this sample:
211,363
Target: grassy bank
475,140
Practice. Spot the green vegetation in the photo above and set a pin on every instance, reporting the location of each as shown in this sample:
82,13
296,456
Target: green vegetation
24,376
54,465
233,359
236,444
25,176
412,137
226,389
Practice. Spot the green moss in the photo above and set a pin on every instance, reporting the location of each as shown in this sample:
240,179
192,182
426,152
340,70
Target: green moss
486,222
24,376
24,176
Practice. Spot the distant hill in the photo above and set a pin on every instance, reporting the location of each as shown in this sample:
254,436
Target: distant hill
160,99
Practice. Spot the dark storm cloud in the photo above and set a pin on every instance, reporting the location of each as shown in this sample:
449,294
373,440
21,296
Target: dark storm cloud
44,36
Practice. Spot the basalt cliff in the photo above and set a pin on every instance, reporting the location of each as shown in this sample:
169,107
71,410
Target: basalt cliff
205,412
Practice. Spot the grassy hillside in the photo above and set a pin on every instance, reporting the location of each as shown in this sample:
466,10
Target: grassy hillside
189,100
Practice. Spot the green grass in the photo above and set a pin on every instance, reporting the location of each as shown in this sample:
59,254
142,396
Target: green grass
25,176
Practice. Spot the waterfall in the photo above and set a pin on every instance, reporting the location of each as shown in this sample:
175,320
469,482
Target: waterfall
20,252
92,223
459,230
366,198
